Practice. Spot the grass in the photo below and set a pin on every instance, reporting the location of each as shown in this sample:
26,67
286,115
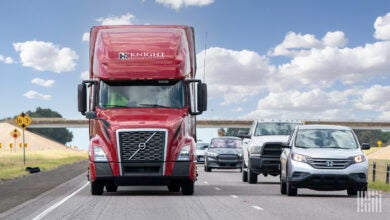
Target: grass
380,176
371,150
11,163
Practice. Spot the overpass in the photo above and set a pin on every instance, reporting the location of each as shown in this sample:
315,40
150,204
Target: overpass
206,123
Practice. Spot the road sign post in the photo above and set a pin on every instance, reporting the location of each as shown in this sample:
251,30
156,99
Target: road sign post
23,121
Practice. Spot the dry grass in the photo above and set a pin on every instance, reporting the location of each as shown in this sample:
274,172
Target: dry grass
11,163
380,176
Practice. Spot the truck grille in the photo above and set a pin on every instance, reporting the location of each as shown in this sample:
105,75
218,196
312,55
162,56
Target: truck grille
273,150
142,146
321,163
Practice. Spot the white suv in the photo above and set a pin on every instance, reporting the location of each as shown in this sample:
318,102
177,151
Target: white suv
323,157
262,147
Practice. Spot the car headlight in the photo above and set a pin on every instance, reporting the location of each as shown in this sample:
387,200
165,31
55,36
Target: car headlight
255,150
211,154
184,153
299,157
99,154
358,159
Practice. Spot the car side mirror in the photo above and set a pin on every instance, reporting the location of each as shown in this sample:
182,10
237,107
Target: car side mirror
366,146
243,134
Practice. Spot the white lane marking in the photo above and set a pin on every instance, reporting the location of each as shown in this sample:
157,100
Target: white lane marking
257,207
234,196
217,188
51,208
205,182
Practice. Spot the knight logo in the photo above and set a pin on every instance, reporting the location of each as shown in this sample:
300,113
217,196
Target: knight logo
140,55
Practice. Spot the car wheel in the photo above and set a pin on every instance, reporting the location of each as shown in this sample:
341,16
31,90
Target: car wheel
111,187
291,190
174,187
244,173
252,177
97,188
208,169
187,188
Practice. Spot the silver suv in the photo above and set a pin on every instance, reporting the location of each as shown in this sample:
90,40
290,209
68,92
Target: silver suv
323,157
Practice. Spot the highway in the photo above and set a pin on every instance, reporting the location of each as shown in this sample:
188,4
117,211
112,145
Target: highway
218,195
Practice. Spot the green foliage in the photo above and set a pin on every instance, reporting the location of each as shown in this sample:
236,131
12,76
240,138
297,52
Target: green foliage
372,136
61,135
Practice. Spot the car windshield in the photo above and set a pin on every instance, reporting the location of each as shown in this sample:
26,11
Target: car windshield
201,146
273,128
147,93
325,138
225,143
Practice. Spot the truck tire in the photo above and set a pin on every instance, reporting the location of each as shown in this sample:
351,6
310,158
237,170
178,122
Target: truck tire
97,188
111,187
174,187
252,177
244,173
291,191
283,187
187,188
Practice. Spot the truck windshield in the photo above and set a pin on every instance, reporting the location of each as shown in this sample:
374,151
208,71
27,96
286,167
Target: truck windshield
325,138
263,129
146,93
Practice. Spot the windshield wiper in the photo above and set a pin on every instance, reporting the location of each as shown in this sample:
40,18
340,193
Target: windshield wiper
154,105
115,106
336,147
302,146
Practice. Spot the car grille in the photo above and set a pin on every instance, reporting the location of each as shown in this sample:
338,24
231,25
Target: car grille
142,146
321,163
272,150
227,157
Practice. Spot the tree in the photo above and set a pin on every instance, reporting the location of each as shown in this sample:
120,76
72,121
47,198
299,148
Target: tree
61,135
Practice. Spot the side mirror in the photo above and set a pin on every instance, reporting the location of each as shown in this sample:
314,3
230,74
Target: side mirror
366,146
202,97
243,134
82,98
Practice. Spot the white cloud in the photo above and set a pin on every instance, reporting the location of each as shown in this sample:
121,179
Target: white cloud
117,20
42,82
299,45
178,4
45,56
36,95
6,60
85,37
84,75
382,27
375,98
234,75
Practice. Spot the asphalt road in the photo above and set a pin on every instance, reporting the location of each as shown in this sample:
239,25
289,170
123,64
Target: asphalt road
218,195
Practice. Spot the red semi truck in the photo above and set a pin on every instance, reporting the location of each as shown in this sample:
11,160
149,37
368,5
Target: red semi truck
141,100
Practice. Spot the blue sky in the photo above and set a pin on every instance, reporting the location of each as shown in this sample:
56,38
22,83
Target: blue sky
264,59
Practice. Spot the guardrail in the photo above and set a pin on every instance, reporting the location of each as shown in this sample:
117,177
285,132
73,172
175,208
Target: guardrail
380,172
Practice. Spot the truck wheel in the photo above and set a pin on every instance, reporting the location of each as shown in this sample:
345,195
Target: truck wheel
252,177
244,173
187,188
283,187
97,188
291,191
111,187
173,187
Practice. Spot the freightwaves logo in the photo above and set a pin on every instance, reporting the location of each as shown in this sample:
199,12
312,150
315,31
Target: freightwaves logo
142,146
140,55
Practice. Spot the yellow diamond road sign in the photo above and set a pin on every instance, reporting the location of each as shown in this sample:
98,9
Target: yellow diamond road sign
23,120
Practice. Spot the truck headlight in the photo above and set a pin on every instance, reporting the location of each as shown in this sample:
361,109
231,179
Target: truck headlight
184,153
99,154
358,159
255,150
299,157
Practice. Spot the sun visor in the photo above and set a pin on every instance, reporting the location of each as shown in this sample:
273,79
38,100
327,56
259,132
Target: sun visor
139,52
